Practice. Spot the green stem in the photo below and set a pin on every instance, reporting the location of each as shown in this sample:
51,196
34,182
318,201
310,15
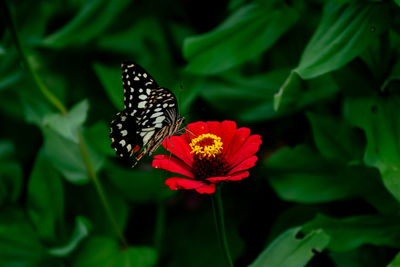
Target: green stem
24,56
99,188
159,226
58,104
218,210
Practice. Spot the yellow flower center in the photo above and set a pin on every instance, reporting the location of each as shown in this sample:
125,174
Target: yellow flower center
206,146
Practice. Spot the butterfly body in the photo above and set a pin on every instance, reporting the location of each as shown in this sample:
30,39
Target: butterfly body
150,115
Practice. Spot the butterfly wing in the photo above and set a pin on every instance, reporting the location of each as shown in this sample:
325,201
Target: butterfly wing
149,111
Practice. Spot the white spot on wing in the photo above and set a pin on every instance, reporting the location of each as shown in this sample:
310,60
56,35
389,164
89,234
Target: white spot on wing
147,137
119,125
142,104
148,91
124,132
128,147
156,114
122,142
159,119
143,97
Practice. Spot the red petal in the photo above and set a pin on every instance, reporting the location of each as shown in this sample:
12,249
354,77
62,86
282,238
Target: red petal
244,165
239,176
249,148
172,164
176,183
227,131
195,129
178,146
238,139
213,127
234,177
206,189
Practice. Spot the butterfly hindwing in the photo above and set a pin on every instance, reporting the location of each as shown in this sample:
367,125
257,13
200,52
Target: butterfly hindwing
124,137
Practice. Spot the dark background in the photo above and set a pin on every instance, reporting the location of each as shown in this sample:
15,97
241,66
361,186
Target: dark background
329,162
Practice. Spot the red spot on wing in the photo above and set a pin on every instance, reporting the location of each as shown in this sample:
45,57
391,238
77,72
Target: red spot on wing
139,156
136,149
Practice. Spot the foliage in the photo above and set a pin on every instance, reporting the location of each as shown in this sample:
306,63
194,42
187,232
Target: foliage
318,80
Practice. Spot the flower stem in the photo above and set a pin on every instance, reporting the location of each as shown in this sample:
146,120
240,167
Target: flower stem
24,56
59,105
218,210
92,174
159,226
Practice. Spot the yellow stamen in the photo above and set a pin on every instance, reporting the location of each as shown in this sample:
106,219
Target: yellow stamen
206,145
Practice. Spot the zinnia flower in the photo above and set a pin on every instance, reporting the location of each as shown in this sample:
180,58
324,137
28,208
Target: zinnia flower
208,153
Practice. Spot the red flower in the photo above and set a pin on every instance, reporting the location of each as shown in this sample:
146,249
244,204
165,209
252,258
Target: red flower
207,154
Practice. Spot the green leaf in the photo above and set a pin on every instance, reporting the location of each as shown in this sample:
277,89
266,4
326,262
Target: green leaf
92,19
10,174
392,77
97,137
45,198
111,80
69,124
301,175
228,45
192,232
335,138
344,32
349,233
66,157
396,261
101,251
19,244
90,204
291,251
81,231
300,93
381,124
139,186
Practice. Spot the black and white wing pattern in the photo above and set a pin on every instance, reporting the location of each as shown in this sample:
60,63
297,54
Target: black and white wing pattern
150,115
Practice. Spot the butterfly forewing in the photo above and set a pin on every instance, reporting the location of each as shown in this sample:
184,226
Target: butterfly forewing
150,114
138,85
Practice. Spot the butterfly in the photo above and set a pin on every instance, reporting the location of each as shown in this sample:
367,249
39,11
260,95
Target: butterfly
150,115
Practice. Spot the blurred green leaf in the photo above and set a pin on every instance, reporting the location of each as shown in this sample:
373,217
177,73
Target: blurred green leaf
101,251
139,185
69,124
92,19
393,76
81,231
90,204
146,42
19,244
396,261
10,174
111,80
290,250
66,157
365,256
45,202
97,137
228,44
343,33
301,175
352,232
378,118
194,231
335,138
